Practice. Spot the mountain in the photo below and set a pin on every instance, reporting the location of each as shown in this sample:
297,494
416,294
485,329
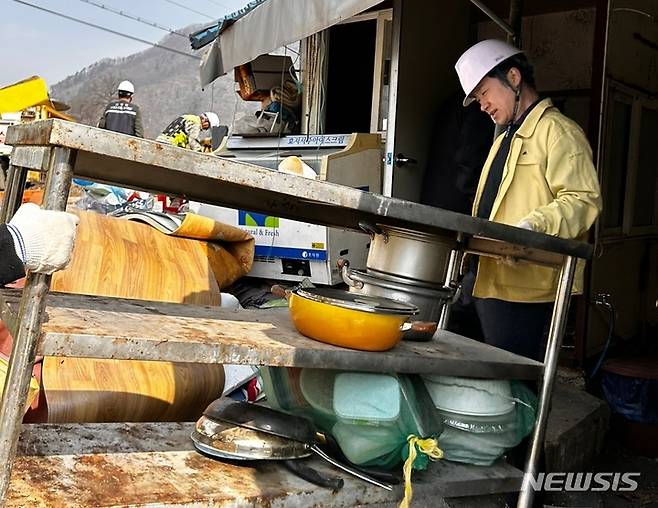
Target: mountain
166,86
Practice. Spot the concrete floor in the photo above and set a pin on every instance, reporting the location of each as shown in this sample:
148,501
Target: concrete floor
615,458
578,439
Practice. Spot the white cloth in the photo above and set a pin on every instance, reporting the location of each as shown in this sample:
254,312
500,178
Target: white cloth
228,301
46,237
524,224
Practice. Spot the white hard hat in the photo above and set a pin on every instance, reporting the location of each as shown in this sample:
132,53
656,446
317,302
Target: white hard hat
126,86
477,61
295,166
213,119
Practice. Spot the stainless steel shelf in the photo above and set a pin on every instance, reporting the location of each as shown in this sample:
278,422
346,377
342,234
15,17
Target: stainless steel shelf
96,327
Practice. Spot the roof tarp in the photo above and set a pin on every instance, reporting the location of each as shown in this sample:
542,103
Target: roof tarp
271,25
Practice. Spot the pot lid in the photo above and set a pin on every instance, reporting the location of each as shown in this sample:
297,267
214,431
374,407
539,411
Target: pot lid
355,301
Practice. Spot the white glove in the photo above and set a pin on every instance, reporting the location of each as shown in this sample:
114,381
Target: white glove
43,238
524,224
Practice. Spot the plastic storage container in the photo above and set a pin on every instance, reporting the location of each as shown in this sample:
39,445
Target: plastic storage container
481,440
366,399
471,397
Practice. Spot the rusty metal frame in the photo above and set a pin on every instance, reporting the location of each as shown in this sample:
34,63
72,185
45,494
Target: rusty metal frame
16,178
31,313
504,25
312,199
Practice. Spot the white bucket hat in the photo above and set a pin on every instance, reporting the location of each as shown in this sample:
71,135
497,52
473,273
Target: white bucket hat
477,61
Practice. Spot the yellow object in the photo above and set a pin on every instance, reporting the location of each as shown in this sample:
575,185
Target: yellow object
344,327
429,447
33,390
549,181
24,94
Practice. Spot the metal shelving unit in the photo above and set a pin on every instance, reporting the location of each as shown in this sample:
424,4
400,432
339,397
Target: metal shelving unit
130,329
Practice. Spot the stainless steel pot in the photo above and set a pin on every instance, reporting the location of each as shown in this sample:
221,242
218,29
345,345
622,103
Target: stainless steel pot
429,299
408,254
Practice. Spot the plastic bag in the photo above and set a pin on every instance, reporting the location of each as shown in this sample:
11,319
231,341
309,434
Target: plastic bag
634,398
370,421
481,440
109,199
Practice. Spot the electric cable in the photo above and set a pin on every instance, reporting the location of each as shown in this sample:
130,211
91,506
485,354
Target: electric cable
105,29
190,9
219,4
134,17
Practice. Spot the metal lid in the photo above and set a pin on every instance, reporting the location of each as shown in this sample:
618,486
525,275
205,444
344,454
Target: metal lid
355,301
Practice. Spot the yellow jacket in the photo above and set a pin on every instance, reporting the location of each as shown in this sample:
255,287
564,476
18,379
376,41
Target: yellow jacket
549,181
183,132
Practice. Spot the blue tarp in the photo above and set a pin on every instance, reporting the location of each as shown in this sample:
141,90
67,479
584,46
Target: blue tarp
205,36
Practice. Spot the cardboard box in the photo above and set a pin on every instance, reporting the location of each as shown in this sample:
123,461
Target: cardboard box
257,77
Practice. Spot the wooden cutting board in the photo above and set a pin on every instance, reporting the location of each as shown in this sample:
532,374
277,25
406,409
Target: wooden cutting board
120,258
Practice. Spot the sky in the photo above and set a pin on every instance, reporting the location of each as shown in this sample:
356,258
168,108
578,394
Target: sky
34,42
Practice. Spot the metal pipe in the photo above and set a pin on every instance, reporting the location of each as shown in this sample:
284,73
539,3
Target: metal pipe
604,63
13,193
494,17
28,329
515,20
602,101
454,264
555,335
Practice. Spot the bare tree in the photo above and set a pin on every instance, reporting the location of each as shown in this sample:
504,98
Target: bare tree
87,106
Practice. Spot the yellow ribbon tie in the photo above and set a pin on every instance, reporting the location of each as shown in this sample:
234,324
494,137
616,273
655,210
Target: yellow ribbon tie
429,447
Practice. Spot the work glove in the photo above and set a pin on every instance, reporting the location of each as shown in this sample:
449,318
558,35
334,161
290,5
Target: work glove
43,238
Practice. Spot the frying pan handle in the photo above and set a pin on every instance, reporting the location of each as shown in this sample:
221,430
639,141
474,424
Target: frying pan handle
425,327
280,291
309,474
348,469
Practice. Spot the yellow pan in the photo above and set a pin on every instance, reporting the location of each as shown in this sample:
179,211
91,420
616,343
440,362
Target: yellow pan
349,320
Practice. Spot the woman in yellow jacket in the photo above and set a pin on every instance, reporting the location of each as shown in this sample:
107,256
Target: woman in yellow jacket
539,176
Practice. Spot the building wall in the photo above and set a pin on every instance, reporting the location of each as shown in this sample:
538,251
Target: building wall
627,267
631,61
559,45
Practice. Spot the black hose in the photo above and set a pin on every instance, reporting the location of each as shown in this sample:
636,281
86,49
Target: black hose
602,300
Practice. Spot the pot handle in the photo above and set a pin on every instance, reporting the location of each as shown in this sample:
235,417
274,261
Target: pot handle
427,327
280,291
457,293
344,267
371,229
